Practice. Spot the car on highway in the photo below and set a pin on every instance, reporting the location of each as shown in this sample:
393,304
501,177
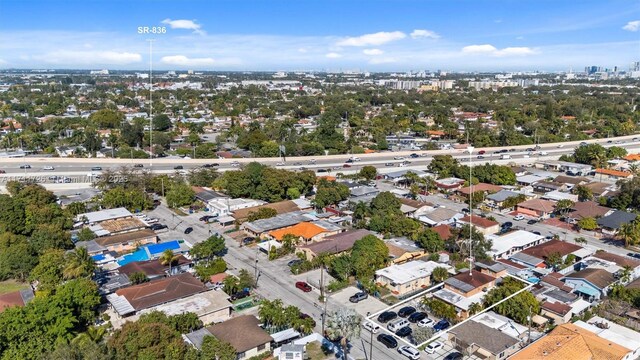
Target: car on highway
634,139
303,286
480,157
433,347
240,295
25,166
210,165
312,161
346,166
481,152
138,165
48,167
235,164
416,316
371,326
454,356
96,168
398,158
387,316
583,144
178,167
359,296
560,146
2,171
402,164
297,163
188,230
532,221
518,217
406,311
409,351
404,332
388,164
387,340
322,170
441,325
414,156
426,322
280,164
354,158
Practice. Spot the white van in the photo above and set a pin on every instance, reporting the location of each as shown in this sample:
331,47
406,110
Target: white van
397,324
505,156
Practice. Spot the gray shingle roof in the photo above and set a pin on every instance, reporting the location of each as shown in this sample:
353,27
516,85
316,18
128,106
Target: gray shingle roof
616,219
492,340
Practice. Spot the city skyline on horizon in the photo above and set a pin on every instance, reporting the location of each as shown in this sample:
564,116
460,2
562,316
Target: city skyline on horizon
478,36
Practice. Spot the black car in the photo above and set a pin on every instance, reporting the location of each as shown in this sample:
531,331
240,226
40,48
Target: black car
480,157
25,166
406,311
156,227
248,240
531,222
388,341
188,230
404,332
138,165
178,167
417,316
388,164
507,225
294,262
387,316
454,356
537,233
441,325
239,295
96,168
414,155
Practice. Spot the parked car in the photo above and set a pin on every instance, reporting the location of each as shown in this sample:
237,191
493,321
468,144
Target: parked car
426,322
371,326
532,221
248,240
507,225
404,332
188,230
416,316
397,324
454,356
441,325
359,296
387,316
178,167
150,220
156,227
240,295
303,286
433,347
48,167
537,233
409,351
406,311
518,217
294,262
387,340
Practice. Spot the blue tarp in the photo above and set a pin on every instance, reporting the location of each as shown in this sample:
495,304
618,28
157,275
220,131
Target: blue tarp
159,248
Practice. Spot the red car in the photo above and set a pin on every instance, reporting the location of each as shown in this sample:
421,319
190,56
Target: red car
303,286
346,166
481,152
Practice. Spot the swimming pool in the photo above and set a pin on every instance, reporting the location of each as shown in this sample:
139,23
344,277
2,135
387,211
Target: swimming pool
157,249
98,257
138,255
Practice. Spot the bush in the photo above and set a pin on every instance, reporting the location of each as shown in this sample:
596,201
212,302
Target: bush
336,285
217,266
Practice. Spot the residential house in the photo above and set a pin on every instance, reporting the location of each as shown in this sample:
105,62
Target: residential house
260,228
507,244
622,262
611,223
155,269
557,195
535,256
363,194
587,209
226,206
403,249
496,200
449,184
291,352
480,187
306,231
443,230
464,289
117,226
558,312
413,208
573,169
243,333
130,300
16,298
591,283
571,342
547,186
529,179
335,244
571,181
477,339
119,243
407,278
613,174
281,207
617,334
482,225
536,208
599,189
103,215
440,216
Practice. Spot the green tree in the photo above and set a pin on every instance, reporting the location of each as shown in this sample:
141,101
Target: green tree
138,277
168,258
79,264
519,307
368,255
368,172
344,324
245,279
554,259
202,177
442,165
584,193
587,223
106,118
616,152
231,285
262,213
85,234
180,194
208,249
213,348
439,274
48,272
440,308
563,206
161,122
430,240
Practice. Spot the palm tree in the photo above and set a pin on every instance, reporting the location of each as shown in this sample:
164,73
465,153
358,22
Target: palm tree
625,275
93,334
475,308
168,258
344,323
630,233
564,205
79,264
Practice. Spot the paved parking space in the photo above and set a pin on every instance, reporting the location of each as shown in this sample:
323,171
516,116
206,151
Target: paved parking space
369,305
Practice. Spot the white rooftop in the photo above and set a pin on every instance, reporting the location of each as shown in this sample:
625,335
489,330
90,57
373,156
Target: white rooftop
615,333
516,239
107,214
458,300
499,322
409,271
559,195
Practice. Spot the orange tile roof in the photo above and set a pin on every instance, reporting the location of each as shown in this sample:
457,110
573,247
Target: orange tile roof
327,177
612,172
305,230
370,151
435,132
570,342
632,157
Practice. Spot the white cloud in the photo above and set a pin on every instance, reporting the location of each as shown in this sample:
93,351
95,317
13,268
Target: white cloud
333,55
384,60
302,50
632,26
90,57
372,52
378,38
424,34
479,49
181,60
491,50
185,24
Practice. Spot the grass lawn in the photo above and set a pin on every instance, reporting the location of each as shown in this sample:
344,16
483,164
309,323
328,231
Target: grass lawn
314,351
11,286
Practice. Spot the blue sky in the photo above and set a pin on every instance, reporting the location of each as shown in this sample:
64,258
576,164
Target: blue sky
372,35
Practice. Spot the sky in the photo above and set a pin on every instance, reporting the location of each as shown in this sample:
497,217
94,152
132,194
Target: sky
329,35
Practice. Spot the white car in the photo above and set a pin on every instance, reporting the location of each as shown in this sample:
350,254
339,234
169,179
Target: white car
560,146
518,217
141,215
235,164
371,326
410,352
354,158
433,347
426,322
48,167
312,161
399,158
151,221
280,164
402,165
